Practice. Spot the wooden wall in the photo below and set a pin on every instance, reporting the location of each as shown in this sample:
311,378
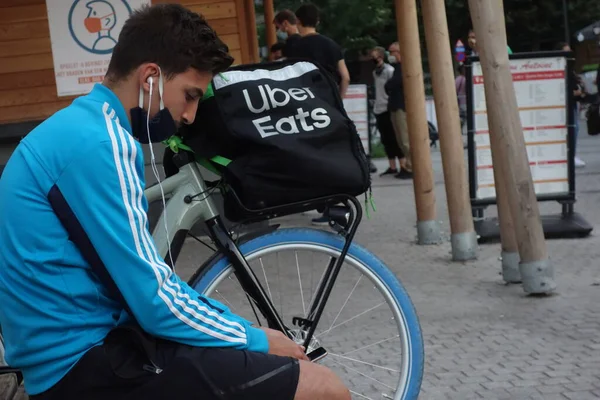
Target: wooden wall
27,85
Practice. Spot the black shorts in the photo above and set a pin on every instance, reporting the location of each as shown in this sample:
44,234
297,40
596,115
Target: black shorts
133,365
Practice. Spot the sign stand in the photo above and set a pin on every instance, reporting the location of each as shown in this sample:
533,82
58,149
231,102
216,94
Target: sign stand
547,110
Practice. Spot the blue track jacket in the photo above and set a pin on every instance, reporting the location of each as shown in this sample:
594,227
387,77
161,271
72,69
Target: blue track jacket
82,168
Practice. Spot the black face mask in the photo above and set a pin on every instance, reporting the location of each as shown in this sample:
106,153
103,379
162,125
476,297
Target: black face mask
375,61
159,128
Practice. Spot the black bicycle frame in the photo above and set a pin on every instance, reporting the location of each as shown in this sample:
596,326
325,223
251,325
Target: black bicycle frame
254,289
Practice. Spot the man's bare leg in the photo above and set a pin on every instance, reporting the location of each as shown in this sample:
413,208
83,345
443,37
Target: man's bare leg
317,382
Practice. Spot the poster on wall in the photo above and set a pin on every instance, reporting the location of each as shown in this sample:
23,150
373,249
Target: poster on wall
356,106
83,34
540,87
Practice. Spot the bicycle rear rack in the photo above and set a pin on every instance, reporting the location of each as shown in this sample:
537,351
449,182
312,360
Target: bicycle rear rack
343,219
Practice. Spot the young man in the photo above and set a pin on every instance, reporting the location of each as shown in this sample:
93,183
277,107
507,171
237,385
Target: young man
287,29
382,73
320,48
78,177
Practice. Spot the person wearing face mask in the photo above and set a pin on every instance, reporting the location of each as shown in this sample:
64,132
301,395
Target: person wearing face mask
89,308
381,74
286,24
394,87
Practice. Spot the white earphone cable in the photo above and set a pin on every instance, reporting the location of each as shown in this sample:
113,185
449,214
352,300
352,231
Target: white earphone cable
155,171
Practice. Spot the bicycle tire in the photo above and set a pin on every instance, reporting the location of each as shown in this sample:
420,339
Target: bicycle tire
214,267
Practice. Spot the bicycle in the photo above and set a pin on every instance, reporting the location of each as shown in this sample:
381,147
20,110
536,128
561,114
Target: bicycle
190,202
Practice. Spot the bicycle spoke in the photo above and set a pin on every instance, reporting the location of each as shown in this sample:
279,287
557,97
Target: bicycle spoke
279,285
346,302
225,300
360,395
361,374
371,345
351,319
300,283
363,362
266,280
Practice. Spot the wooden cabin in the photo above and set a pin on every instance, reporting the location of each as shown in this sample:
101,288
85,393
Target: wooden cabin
28,91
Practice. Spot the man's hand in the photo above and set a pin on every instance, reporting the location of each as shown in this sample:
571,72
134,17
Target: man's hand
281,345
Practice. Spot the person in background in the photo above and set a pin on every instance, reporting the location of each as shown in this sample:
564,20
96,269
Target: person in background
381,74
396,105
287,30
324,51
461,93
320,48
580,96
277,51
472,42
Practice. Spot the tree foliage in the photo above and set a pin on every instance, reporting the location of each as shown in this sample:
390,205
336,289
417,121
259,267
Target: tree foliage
530,24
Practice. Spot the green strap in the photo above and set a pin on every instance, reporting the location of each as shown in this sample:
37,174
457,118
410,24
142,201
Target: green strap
209,92
175,143
221,160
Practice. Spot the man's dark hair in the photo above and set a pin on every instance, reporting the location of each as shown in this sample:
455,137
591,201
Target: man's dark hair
308,14
561,45
285,15
171,36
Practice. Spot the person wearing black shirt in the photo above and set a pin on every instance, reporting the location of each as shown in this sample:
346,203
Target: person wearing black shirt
286,23
319,48
322,50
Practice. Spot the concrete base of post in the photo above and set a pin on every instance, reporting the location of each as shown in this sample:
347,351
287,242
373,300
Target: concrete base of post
510,267
464,246
428,232
538,277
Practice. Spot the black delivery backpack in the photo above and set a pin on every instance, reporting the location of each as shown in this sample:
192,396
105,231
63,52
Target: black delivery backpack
284,129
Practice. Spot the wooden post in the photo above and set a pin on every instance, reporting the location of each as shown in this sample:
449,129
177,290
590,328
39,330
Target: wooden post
414,94
269,26
510,249
250,16
511,155
463,238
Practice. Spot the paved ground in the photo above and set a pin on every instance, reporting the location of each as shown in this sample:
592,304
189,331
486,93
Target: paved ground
484,339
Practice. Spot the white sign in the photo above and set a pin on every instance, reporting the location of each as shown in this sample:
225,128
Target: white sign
540,89
83,34
355,104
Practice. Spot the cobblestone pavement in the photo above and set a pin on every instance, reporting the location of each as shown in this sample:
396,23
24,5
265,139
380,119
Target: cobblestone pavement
485,339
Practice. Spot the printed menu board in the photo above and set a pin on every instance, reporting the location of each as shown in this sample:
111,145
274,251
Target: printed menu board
540,87
355,104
